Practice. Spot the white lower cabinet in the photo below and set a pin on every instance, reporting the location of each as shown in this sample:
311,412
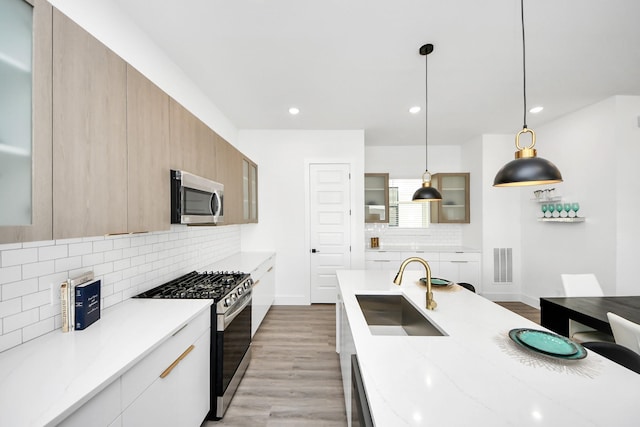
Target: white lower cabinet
461,267
181,398
264,291
169,387
382,260
101,410
346,348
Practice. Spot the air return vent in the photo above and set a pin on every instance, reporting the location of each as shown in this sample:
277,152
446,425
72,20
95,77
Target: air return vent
502,265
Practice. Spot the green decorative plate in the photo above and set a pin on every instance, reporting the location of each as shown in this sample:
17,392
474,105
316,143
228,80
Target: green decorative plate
548,343
436,281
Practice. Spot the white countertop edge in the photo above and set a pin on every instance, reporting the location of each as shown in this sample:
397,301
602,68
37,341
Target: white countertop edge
45,380
422,248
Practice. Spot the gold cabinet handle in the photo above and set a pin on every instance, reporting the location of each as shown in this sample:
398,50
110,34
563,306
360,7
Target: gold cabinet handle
256,283
175,363
269,270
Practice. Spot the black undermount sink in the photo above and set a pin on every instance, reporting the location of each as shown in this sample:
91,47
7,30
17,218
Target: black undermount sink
395,315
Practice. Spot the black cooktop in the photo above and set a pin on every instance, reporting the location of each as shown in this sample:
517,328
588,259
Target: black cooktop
207,285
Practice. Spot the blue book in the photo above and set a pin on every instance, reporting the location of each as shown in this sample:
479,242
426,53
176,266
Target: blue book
87,304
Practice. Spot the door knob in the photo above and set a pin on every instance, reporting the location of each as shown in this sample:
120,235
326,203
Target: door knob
313,251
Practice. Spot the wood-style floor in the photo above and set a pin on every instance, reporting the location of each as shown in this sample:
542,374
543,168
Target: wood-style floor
294,376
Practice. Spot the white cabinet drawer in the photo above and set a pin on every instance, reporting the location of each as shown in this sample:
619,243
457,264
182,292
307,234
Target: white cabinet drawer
179,399
263,268
101,410
382,256
143,374
460,256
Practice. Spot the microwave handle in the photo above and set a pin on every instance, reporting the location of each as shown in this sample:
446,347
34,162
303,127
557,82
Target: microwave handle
214,203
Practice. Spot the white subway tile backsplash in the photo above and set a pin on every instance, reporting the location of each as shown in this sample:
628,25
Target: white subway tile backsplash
102,246
66,264
92,259
18,256
18,289
46,253
38,329
31,273
10,274
76,249
37,269
12,339
36,299
20,320
10,307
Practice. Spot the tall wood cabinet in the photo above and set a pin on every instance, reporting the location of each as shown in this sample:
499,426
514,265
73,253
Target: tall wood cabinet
229,173
376,197
192,142
454,207
41,220
148,148
89,134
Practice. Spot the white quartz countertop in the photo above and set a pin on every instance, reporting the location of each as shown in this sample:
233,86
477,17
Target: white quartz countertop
241,261
45,380
476,375
421,248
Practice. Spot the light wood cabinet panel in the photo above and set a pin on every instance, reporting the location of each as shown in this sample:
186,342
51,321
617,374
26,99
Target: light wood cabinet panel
89,134
454,207
148,154
376,197
229,173
41,226
192,142
249,191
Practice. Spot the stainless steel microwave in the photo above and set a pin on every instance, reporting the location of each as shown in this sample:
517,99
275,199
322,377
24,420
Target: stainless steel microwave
195,200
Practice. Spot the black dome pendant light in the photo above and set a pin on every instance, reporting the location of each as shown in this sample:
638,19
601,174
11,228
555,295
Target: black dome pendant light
526,169
426,193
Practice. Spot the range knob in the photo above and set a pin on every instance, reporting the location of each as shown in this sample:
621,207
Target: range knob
227,302
240,291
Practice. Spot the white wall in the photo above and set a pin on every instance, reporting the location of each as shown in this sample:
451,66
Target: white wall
109,24
283,157
595,149
628,201
408,161
501,218
471,161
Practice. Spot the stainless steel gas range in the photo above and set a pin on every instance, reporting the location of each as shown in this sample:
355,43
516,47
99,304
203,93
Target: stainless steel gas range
230,326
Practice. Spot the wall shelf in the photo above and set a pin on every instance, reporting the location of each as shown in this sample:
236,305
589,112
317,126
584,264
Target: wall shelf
576,219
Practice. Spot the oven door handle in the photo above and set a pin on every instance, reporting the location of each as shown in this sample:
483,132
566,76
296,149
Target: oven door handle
228,317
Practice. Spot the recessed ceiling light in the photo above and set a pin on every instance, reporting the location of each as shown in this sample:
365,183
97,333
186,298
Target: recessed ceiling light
535,110
415,110
293,111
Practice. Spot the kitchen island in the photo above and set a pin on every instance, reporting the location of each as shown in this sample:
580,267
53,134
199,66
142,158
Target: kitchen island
474,374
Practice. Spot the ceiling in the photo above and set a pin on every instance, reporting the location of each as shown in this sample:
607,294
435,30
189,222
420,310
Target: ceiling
354,64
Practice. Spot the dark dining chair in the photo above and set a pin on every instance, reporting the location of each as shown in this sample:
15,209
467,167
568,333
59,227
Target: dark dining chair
617,353
468,286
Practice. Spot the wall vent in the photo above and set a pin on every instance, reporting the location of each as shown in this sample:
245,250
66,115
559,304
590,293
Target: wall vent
502,265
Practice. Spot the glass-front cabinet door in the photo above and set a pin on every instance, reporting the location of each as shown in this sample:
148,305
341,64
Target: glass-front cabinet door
16,41
376,197
454,207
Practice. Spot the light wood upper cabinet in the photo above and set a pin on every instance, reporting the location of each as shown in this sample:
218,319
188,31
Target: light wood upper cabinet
41,221
89,134
454,206
192,142
148,154
229,173
249,191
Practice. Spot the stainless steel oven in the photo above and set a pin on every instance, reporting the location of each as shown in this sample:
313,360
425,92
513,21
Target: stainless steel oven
232,347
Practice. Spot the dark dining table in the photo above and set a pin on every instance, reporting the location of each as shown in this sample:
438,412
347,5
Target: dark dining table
590,311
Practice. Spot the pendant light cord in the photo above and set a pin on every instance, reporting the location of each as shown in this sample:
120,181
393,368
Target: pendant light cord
426,110
524,68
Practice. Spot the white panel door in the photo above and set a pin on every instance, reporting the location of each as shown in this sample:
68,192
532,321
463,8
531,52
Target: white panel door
330,228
